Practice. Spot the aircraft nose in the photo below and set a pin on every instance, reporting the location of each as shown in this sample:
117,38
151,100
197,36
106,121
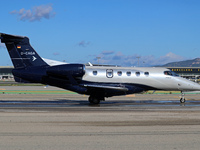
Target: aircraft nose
188,85
197,86
193,86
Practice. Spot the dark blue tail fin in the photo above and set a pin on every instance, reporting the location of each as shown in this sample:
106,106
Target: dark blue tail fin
21,52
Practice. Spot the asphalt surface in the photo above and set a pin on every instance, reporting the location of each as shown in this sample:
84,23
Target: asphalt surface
67,121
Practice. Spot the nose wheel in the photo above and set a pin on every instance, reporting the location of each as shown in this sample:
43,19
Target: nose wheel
182,100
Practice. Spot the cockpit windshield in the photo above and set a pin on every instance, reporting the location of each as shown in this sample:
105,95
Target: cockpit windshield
171,73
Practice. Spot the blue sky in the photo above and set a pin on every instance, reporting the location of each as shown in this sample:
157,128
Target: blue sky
118,31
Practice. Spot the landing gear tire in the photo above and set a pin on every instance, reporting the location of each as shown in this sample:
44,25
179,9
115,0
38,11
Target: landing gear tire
94,100
182,100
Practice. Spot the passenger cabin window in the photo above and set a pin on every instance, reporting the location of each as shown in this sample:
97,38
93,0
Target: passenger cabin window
109,73
119,73
128,73
146,73
95,73
170,73
137,74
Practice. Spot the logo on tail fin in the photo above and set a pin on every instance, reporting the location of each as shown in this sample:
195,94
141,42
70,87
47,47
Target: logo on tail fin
34,58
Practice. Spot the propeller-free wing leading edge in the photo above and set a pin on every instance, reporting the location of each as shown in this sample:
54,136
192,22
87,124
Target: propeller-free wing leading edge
96,81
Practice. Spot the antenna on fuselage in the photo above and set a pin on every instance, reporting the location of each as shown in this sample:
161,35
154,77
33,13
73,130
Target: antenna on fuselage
90,63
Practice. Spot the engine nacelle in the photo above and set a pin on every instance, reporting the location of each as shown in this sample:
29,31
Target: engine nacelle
75,70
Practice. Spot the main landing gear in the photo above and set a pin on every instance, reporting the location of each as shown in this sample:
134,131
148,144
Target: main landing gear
95,100
182,100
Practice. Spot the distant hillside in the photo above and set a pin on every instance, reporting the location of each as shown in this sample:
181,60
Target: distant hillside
186,63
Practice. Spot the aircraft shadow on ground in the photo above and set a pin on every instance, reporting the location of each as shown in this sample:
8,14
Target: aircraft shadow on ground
79,103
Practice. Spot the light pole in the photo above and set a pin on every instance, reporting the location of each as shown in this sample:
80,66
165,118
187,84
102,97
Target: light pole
98,58
138,57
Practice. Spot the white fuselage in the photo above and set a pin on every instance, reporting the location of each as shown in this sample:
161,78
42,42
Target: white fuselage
154,77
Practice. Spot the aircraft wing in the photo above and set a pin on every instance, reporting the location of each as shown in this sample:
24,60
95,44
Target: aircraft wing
105,87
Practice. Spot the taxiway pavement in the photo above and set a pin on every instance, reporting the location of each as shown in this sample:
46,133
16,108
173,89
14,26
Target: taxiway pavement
68,121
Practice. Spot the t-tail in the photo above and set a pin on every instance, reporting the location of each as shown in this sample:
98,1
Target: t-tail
21,52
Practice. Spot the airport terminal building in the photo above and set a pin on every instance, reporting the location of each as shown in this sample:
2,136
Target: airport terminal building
191,73
6,73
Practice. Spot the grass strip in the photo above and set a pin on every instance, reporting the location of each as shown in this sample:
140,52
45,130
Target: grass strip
162,92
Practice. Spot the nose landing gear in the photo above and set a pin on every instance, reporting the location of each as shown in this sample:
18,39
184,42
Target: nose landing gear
182,100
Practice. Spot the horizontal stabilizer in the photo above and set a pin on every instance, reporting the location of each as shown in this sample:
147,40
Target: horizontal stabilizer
10,38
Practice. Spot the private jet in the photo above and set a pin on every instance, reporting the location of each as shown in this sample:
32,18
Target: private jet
99,82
